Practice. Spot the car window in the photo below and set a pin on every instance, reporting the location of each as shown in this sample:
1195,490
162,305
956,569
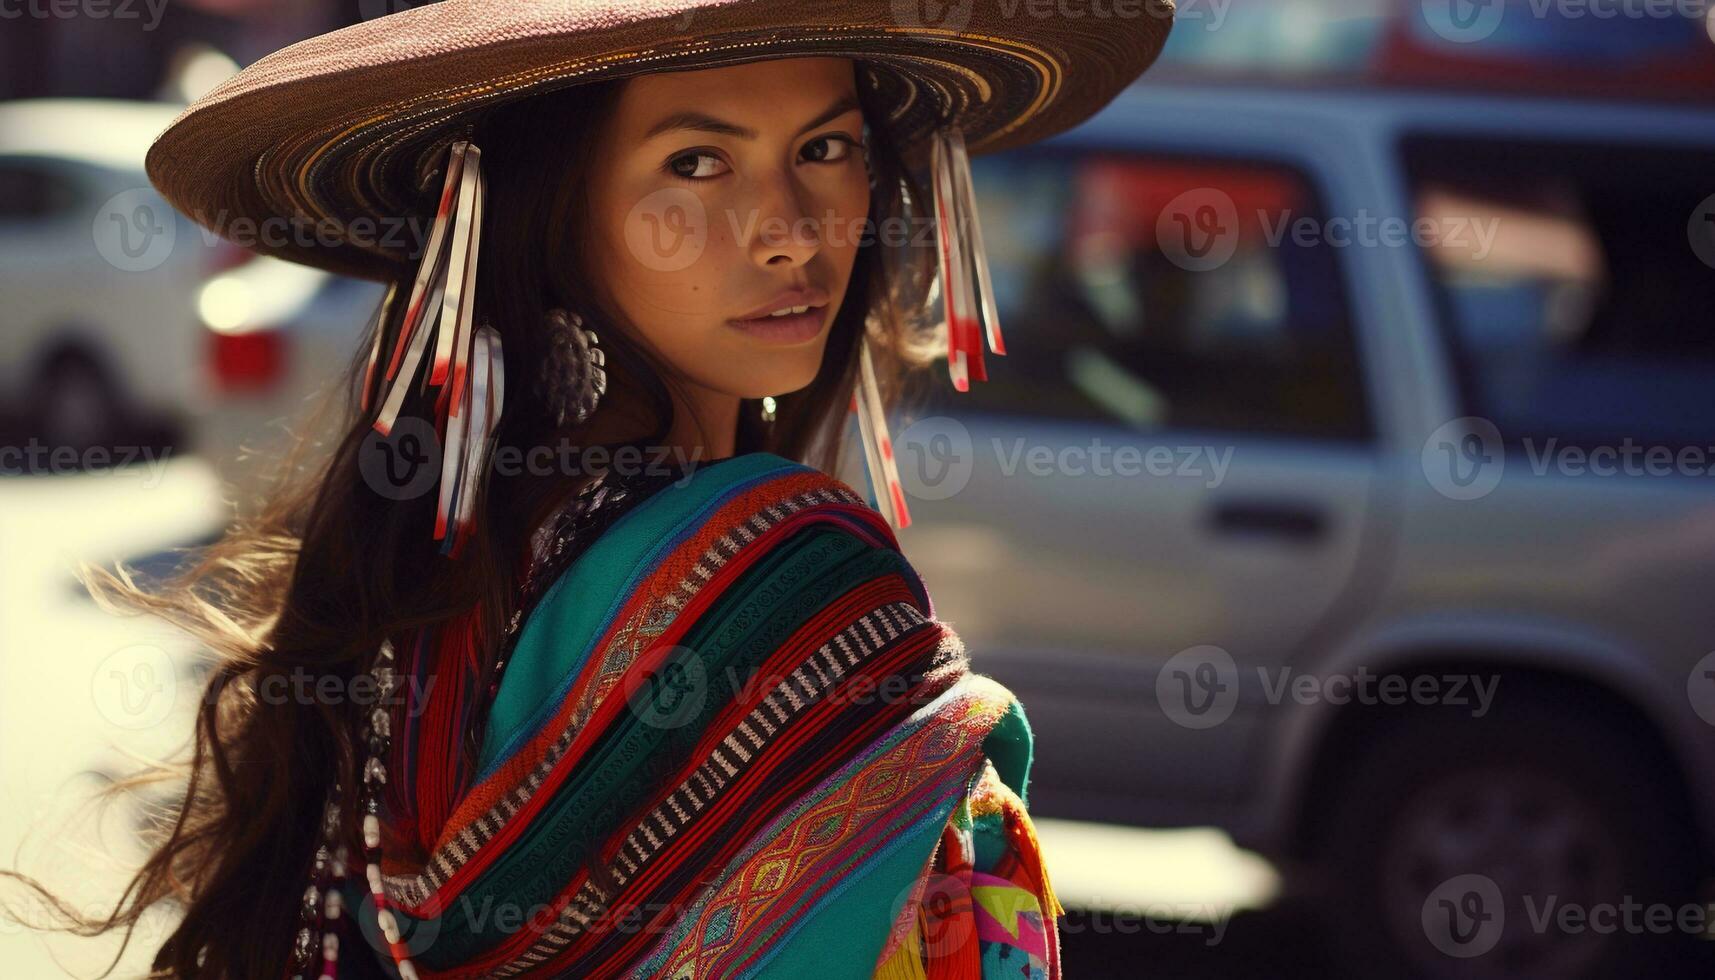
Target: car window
1582,314
32,190
1154,292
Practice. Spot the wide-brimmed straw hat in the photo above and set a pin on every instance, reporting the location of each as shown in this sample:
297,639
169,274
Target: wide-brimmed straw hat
352,124
322,152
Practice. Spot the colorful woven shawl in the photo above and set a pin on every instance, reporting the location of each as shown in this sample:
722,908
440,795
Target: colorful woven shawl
732,740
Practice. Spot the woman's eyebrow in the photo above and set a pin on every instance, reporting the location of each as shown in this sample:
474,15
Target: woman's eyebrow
706,123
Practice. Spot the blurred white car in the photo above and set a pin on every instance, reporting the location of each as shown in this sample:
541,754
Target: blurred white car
124,323
1346,486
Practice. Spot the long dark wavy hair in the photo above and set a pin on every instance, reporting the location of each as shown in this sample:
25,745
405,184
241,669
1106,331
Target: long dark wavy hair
312,579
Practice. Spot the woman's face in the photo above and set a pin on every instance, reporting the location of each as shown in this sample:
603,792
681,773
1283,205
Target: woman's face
715,194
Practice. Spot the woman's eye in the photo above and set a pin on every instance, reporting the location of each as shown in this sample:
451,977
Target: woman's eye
702,165
845,143
691,166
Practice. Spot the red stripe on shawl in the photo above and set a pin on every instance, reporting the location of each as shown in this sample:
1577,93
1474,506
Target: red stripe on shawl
668,574
443,724
949,927
425,765
816,632
401,830
712,822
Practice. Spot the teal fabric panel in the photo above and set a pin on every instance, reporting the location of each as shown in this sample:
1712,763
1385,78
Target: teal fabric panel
843,937
1012,749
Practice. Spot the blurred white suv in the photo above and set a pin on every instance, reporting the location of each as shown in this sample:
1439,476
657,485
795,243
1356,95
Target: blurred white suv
100,278
124,323
1349,484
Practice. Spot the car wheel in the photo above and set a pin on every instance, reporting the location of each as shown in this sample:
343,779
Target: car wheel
1508,846
75,402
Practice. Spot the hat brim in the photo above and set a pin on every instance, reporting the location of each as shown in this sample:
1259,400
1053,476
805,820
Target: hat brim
318,153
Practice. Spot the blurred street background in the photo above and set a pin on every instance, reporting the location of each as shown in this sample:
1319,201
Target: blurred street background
1343,510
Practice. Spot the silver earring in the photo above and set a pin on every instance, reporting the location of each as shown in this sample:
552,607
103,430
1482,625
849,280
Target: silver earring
767,408
574,369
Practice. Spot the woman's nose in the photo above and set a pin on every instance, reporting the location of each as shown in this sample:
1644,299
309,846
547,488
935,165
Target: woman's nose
784,231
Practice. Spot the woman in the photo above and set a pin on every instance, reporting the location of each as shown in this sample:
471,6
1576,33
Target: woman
608,681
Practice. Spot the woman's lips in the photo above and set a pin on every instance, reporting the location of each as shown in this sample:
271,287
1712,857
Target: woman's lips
794,328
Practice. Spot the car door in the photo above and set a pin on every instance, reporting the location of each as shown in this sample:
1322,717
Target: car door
1575,468
1159,491
45,251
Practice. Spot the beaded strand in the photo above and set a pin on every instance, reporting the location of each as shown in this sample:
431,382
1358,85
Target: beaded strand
596,503
321,906
377,736
319,914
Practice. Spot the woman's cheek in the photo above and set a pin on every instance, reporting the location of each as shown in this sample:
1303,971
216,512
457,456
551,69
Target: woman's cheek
849,212
657,231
